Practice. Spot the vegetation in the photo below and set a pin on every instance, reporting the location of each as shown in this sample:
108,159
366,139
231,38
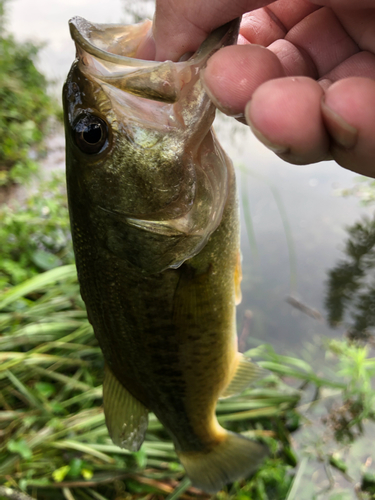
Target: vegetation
25,107
35,237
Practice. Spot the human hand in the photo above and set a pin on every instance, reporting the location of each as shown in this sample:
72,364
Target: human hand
310,94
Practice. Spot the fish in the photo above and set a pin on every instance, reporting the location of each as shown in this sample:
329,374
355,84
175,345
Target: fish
155,226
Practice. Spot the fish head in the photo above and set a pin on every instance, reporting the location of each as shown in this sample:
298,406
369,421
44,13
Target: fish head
145,173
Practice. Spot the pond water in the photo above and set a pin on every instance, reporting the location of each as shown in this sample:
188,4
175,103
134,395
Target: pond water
299,221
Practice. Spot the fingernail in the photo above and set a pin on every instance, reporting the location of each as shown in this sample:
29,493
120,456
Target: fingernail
279,149
344,134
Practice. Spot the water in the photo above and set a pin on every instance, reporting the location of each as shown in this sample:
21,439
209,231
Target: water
317,218
280,197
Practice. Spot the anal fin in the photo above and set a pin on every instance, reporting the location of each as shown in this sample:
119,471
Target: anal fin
125,416
246,373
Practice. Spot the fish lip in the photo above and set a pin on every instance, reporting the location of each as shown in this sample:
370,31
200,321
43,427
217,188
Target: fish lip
80,30
80,33
97,57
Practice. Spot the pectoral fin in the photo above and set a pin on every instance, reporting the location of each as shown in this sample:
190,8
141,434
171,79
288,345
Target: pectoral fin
125,416
246,373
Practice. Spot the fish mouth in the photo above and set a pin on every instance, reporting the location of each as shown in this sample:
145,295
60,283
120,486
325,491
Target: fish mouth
92,37
107,52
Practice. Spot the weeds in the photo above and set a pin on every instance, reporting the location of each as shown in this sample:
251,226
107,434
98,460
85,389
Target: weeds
35,236
25,108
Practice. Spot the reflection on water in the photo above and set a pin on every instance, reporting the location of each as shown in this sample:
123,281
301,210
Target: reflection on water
351,287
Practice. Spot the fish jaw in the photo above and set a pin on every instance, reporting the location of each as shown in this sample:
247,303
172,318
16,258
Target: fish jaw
162,173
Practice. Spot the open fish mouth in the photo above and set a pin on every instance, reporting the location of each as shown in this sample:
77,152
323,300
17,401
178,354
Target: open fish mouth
113,47
109,42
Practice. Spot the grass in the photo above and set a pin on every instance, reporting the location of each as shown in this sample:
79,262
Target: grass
54,442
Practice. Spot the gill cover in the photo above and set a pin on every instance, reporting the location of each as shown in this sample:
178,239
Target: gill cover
142,160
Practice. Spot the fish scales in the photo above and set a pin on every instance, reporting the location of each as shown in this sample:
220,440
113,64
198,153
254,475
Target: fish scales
155,227
155,326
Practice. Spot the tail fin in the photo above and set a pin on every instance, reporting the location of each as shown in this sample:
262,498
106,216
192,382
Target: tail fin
234,458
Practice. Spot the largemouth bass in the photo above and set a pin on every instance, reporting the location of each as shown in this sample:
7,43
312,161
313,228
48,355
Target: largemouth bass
155,225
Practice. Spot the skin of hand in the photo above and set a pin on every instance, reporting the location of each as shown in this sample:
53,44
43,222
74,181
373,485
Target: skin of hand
302,75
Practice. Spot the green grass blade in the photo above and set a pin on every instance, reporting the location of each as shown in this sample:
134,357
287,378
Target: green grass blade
24,390
74,445
180,490
37,283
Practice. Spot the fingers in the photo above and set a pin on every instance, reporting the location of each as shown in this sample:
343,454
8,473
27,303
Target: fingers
323,38
361,64
318,38
348,113
345,4
294,60
232,75
285,115
293,119
180,27
264,26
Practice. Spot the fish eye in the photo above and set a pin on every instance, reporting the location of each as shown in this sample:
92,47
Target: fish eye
90,133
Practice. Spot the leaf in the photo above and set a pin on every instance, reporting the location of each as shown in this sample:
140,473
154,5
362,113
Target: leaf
59,474
75,467
141,458
45,260
20,446
87,473
46,390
